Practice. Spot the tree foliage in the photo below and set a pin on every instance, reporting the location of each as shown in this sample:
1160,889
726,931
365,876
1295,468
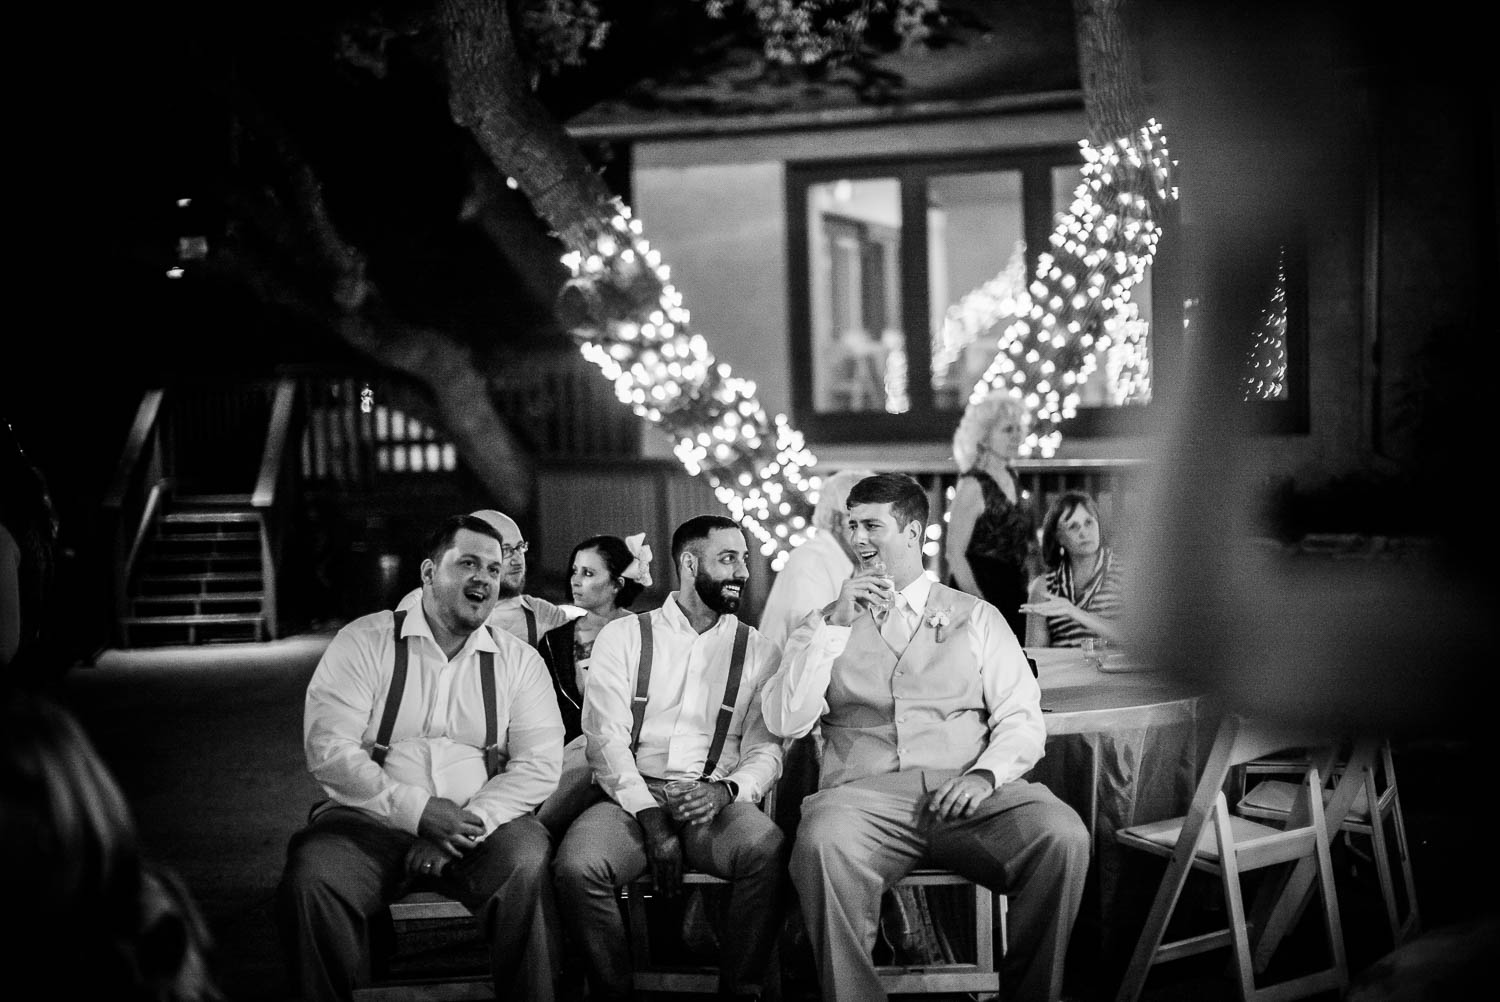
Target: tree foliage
795,33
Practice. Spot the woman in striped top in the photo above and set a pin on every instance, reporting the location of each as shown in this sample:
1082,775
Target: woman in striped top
1080,596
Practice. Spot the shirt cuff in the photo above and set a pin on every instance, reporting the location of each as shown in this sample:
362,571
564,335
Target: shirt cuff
636,801
408,803
831,637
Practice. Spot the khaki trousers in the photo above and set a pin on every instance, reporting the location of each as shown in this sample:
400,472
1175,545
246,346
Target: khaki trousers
856,840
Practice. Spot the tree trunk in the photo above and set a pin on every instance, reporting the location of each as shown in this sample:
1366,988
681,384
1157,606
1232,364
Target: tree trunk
489,94
361,317
1109,68
461,393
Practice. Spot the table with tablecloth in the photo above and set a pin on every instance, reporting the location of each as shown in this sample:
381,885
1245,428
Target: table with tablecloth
1124,747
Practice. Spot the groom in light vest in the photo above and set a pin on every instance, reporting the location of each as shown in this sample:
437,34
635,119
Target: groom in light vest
930,716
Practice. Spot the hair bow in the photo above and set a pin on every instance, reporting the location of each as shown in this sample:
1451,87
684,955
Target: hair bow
639,569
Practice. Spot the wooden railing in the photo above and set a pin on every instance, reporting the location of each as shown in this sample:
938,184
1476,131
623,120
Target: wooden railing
275,497
560,405
204,440
364,429
132,503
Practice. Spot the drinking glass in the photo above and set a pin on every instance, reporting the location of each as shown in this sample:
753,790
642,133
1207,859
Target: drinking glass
877,567
676,791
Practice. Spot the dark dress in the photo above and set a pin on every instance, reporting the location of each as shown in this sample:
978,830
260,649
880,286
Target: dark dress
1000,552
557,648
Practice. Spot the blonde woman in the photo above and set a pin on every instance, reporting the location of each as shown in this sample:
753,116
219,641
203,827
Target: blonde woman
990,536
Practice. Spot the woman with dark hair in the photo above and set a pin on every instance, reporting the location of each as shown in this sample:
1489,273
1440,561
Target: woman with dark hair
1081,595
96,919
606,574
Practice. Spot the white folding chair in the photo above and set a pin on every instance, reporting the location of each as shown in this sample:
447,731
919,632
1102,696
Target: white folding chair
1384,826
1212,840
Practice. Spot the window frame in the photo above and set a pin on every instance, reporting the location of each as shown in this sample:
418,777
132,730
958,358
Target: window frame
924,422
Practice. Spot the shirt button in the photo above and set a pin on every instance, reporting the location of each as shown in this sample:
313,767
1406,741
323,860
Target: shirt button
900,672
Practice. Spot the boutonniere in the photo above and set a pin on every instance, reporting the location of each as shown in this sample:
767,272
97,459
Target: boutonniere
938,619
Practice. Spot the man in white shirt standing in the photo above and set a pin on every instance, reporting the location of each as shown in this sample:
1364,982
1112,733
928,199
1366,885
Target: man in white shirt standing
434,737
930,716
674,694
523,616
814,571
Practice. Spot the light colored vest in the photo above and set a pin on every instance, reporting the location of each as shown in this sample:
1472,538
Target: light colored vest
921,710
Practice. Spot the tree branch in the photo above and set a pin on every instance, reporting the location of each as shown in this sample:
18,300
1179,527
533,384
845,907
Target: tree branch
490,95
300,228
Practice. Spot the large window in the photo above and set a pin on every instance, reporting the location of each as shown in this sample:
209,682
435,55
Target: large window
905,274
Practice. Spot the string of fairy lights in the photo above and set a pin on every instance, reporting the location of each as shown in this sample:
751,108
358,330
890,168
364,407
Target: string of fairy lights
1264,376
1078,303
636,331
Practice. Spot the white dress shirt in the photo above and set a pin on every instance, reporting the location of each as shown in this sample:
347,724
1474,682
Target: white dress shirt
811,578
688,672
796,699
436,746
509,613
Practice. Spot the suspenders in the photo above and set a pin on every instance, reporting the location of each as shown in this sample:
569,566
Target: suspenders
731,692
530,626
726,706
393,695
398,688
642,682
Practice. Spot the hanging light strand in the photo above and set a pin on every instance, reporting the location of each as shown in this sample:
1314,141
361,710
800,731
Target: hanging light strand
635,328
1078,303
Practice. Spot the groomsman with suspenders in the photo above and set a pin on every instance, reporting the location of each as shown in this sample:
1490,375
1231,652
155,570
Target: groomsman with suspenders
434,738
674,694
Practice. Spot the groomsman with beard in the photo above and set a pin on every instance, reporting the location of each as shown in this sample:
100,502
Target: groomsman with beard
675,694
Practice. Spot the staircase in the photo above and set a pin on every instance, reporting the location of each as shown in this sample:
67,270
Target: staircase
201,576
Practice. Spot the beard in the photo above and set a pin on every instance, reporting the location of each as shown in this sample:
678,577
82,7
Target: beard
712,592
508,587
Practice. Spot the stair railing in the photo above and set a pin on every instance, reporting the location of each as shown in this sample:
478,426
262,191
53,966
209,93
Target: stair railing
141,485
274,496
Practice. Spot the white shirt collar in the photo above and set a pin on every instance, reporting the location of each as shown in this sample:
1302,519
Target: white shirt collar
916,593
416,625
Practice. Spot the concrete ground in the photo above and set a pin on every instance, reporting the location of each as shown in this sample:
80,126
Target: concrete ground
206,743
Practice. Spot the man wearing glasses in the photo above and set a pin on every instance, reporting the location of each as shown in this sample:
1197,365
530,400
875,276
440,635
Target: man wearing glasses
523,616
